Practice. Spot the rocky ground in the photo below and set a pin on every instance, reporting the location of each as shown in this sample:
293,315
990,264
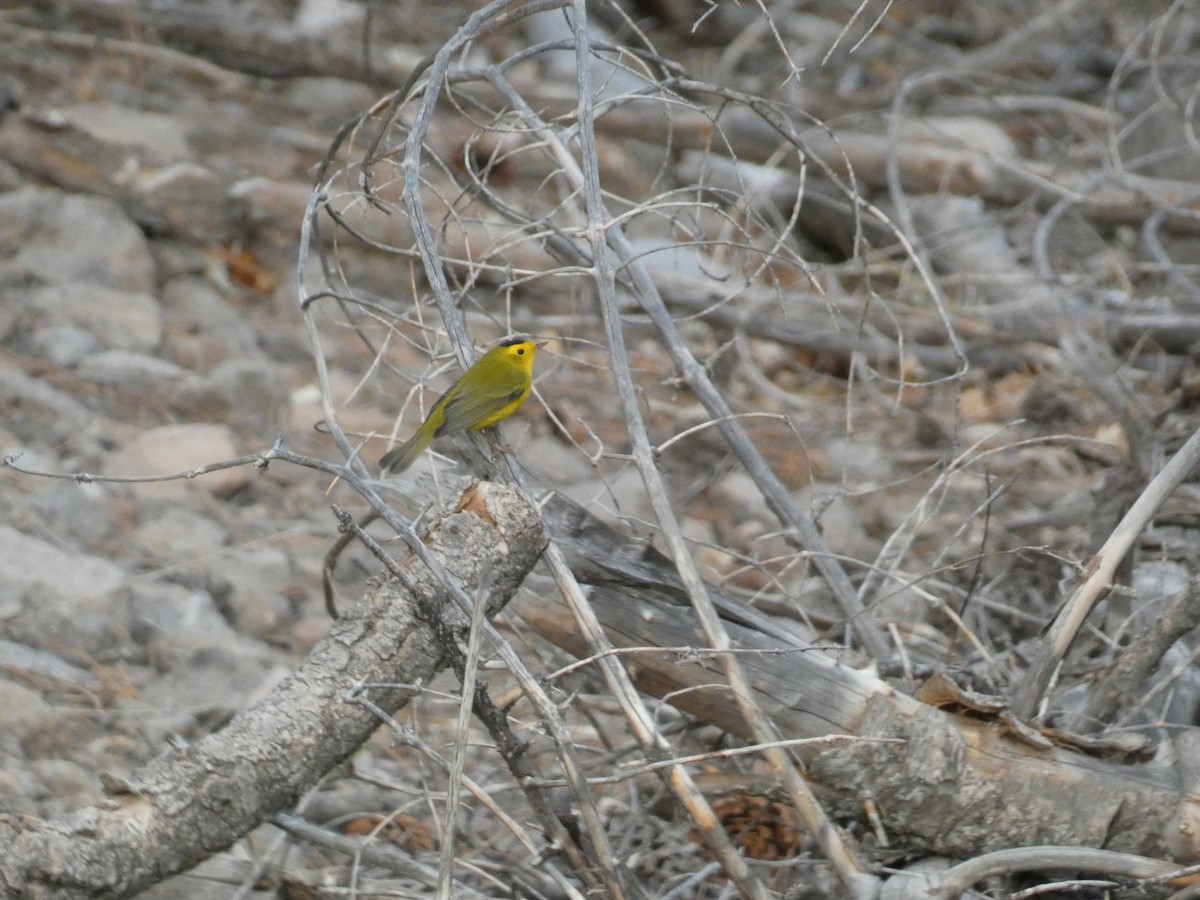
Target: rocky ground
152,189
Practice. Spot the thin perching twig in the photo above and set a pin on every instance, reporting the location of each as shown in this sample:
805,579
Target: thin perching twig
461,730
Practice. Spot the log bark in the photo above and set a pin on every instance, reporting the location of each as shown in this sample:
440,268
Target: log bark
951,781
189,803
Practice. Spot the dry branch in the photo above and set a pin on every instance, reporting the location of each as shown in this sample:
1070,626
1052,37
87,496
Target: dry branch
1099,578
1130,674
240,43
994,787
189,803
991,790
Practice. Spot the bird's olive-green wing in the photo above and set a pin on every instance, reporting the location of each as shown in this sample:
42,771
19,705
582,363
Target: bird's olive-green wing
467,409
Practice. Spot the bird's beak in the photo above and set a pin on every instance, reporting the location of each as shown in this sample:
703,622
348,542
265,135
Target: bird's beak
540,344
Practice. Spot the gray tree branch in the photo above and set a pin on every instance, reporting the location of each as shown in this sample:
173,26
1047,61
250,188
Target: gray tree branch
190,803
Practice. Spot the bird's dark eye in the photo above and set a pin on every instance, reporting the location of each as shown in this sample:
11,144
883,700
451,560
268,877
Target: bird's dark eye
521,352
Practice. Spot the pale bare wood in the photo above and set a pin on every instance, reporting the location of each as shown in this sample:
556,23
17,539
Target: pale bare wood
240,45
1099,577
990,789
189,803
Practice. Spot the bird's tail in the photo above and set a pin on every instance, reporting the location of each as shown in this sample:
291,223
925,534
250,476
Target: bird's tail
401,457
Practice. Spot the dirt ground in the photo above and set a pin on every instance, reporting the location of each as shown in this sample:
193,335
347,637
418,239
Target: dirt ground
939,260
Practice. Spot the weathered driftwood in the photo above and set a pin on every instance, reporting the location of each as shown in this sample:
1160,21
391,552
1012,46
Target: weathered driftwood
953,781
189,803
242,44
956,785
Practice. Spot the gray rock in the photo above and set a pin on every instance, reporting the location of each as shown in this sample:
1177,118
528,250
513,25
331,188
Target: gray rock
250,582
319,17
208,678
84,626
62,601
118,320
66,785
27,562
60,734
16,785
37,413
257,577
136,373
557,462
21,711
176,257
161,610
178,535
61,345
179,448
41,666
325,102
159,138
202,328
82,513
63,237
272,203
248,394
188,199
11,178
